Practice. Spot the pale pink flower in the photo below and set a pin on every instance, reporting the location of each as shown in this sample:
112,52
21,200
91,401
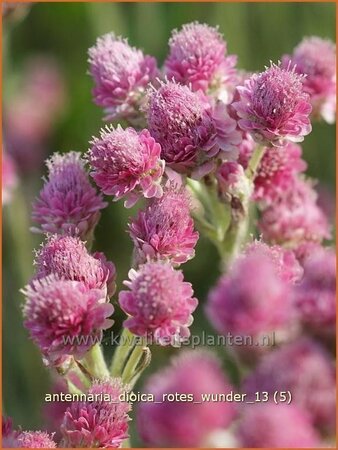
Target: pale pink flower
232,181
267,425
64,317
189,129
159,303
251,299
68,203
9,178
315,296
284,260
276,172
121,74
197,58
101,421
185,423
35,439
294,217
306,370
68,258
127,164
165,229
316,58
273,106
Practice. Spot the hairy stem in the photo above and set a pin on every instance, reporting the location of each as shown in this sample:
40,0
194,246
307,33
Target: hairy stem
126,346
95,363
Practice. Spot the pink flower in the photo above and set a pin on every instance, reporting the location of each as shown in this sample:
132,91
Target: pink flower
68,203
121,74
9,178
315,296
35,439
185,423
316,58
232,181
189,129
284,260
64,318
273,106
127,164
100,421
251,299
307,371
276,172
165,229
159,303
9,436
68,258
197,59
266,425
294,217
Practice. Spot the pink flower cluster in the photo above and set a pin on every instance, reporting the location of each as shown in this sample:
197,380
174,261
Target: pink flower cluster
24,439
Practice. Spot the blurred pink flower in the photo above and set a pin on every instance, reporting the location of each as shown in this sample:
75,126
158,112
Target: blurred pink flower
121,74
9,178
316,58
165,229
35,439
159,303
68,203
267,425
68,258
306,370
185,423
189,129
97,423
127,164
197,58
64,317
273,106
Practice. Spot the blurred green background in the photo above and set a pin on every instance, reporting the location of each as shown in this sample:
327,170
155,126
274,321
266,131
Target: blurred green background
257,33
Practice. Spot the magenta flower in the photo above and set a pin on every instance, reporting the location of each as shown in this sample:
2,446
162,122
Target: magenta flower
35,439
197,58
284,260
294,217
185,423
315,296
316,58
276,172
266,425
165,229
121,74
68,258
159,303
127,164
68,203
9,178
273,106
306,370
251,299
100,421
64,318
189,129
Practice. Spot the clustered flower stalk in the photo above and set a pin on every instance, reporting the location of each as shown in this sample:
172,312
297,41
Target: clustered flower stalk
206,145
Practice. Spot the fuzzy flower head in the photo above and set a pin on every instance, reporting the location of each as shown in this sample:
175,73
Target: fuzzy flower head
197,58
294,217
276,172
316,58
159,303
68,258
251,299
306,370
232,181
68,203
35,439
165,229
188,128
57,312
315,296
267,425
284,260
100,421
121,74
126,164
273,106
185,424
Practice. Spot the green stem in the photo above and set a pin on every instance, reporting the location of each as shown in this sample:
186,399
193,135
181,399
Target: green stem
254,161
138,361
122,352
95,363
